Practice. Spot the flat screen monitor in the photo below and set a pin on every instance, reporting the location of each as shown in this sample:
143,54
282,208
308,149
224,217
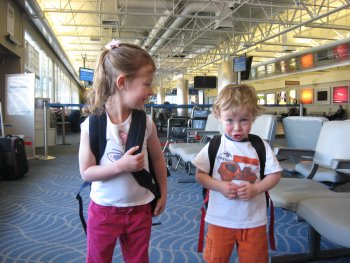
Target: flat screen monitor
245,74
239,64
86,74
205,82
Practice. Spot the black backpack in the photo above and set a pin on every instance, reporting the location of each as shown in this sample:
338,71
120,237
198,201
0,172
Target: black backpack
213,148
97,138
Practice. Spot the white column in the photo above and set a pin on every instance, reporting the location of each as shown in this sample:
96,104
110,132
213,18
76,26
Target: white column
160,95
182,96
226,75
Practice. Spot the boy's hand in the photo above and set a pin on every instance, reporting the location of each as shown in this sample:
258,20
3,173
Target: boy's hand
229,190
247,191
132,163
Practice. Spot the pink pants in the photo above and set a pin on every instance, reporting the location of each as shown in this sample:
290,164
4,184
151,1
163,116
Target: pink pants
106,224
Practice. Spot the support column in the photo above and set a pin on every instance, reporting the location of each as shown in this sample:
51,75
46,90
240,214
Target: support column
226,75
182,96
160,95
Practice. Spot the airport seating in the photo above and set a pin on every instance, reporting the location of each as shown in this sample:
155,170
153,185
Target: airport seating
300,132
329,218
332,152
186,151
265,127
326,211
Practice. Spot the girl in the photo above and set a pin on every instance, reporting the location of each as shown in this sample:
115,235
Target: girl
119,206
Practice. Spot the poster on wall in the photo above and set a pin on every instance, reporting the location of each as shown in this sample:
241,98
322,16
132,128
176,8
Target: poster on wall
19,87
341,94
322,96
306,96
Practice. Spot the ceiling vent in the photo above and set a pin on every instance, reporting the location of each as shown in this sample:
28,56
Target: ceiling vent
109,22
223,24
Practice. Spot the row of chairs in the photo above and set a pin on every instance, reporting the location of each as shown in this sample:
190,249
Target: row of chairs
326,211
319,150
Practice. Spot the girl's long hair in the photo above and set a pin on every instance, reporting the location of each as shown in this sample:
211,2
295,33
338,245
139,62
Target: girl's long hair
125,59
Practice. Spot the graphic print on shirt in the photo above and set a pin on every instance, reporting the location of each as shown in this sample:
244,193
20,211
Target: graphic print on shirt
117,150
123,136
114,155
230,168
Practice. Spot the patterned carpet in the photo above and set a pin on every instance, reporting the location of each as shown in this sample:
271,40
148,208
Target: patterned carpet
39,219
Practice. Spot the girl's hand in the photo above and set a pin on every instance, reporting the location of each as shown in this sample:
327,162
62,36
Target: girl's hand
229,190
160,206
131,163
247,191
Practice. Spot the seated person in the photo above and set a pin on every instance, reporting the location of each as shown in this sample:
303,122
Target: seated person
338,115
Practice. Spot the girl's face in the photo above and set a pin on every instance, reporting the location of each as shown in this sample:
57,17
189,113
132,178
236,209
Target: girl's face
236,126
139,89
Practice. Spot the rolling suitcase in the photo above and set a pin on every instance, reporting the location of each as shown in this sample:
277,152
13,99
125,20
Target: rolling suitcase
13,158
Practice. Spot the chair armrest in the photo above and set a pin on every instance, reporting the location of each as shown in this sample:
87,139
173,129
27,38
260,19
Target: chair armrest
207,133
192,130
293,151
340,164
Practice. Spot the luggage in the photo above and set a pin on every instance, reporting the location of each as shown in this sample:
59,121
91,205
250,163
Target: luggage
13,158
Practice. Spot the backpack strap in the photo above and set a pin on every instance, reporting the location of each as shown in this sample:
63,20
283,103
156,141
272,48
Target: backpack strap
213,148
97,135
136,137
259,146
97,139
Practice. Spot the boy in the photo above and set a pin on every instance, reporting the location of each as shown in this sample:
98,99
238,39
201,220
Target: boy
236,212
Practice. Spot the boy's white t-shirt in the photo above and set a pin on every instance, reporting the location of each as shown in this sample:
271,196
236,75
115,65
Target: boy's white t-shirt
236,161
123,190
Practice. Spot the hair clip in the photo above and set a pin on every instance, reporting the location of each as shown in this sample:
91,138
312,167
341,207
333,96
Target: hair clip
113,44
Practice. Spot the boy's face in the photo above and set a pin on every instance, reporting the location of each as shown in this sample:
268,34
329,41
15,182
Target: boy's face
236,126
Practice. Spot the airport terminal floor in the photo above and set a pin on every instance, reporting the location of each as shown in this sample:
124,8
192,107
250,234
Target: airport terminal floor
39,219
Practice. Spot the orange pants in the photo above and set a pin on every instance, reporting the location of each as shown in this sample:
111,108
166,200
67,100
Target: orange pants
251,244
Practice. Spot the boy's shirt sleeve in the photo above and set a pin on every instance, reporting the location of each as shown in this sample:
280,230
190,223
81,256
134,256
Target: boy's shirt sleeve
201,161
272,164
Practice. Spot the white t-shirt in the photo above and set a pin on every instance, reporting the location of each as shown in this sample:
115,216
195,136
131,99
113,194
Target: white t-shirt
235,162
123,190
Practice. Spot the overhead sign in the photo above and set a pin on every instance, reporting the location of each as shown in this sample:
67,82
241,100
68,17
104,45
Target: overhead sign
292,82
239,64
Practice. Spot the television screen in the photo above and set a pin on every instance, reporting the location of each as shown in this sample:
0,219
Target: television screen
239,64
205,82
86,74
245,74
